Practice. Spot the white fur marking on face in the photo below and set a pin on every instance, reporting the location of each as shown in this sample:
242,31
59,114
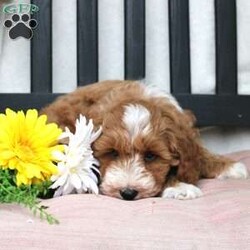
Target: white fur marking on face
237,171
137,120
128,173
153,91
182,191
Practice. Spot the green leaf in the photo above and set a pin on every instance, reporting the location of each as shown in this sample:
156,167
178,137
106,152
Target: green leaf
26,196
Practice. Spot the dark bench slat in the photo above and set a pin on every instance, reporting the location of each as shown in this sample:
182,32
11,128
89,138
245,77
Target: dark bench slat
134,39
179,46
226,47
87,41
218,110
224,109
41,49
210,110
25,101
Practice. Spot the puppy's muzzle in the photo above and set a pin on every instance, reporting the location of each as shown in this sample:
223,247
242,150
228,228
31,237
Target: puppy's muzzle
128,194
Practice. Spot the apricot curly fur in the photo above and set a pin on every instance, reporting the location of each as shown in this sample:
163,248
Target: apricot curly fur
173,137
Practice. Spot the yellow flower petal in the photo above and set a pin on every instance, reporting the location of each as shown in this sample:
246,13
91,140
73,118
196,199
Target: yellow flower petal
6,154
26,145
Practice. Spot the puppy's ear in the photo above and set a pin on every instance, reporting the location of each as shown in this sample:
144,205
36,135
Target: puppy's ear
190,154
190,120
182,140
175,161
185,150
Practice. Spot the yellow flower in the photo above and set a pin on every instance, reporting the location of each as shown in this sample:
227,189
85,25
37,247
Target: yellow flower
27,145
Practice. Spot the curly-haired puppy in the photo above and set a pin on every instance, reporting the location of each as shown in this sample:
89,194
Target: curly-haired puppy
149,146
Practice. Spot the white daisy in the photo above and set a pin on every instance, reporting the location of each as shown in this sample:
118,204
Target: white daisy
76,164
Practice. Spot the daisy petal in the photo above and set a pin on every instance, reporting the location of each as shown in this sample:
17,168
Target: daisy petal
77,160
76,181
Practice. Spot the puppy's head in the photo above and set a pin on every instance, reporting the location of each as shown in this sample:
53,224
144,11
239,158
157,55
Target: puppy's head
136,151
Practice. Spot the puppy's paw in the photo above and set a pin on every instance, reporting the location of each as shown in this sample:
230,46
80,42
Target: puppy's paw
182,191
237,171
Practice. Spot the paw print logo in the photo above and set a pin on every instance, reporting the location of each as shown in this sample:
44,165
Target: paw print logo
20,26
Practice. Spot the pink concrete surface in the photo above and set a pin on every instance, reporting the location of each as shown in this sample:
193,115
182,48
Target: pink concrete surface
218,220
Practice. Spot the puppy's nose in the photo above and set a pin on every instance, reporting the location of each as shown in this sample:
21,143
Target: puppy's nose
128,194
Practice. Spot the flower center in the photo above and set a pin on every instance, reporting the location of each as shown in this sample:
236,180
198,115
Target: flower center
73,170
24,152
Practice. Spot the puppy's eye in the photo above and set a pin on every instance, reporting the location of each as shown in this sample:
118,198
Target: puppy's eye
113,154
149,156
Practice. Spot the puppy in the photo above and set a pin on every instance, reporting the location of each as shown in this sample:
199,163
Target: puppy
149,145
